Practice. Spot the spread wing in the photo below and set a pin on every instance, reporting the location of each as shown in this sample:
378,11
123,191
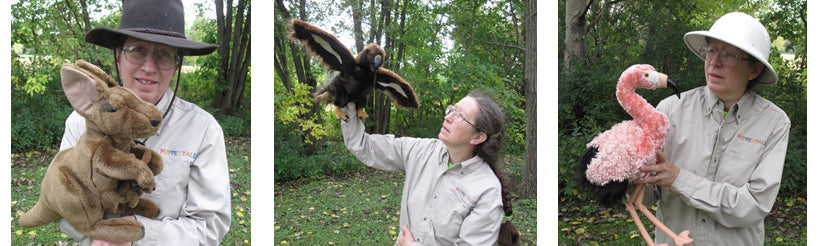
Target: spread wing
395,87
322,45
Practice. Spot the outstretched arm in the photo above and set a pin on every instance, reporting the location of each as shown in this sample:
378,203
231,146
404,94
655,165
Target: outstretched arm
378,151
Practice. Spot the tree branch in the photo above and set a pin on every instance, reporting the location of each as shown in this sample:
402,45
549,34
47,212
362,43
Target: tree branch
499,44
604,9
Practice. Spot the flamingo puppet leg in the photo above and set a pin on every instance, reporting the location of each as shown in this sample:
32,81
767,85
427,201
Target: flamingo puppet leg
680,240
631,209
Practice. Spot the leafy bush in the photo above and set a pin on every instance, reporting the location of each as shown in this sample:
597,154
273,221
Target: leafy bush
794,176
38,106
235,125
332,157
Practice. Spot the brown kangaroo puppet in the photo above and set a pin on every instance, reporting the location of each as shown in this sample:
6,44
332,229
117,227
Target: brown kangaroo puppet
105,173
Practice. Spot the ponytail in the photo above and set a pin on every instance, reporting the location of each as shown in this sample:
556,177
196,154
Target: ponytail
490,121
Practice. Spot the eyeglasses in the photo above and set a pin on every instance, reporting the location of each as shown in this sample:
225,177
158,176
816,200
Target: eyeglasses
163,59
459,116
727,58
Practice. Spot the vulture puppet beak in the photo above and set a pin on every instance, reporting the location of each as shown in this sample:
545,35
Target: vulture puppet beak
377,62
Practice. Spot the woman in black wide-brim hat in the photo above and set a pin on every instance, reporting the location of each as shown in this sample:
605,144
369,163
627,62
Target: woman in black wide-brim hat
193,189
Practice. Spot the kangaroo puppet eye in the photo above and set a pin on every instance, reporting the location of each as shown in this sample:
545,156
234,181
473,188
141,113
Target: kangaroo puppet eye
105,106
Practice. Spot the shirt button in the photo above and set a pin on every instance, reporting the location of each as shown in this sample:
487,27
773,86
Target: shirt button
425,218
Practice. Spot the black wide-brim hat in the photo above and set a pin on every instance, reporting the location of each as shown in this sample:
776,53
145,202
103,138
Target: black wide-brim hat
159,21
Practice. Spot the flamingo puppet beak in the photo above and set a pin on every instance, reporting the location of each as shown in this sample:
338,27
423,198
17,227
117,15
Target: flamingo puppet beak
667,82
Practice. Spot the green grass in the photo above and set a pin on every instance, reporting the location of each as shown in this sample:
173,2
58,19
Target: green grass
580,222
358,208
28,169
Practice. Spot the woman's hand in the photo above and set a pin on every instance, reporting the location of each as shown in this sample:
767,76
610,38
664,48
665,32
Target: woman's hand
406,237
663,173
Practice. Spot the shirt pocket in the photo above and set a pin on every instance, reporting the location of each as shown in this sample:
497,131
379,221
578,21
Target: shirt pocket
172,186
451,208
739,161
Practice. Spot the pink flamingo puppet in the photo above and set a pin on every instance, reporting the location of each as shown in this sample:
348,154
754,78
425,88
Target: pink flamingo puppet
614,157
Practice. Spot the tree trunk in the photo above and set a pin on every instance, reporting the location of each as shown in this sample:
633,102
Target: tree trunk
223,23
231,94
86,18
529,187
358,35
574,43
380,110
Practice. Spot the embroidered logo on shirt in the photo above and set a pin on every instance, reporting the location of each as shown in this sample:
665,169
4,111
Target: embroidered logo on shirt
465,195
751,140
177,153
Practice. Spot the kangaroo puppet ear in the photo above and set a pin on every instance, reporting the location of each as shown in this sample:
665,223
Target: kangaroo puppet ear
80,88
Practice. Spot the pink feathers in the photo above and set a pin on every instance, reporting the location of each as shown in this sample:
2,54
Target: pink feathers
631,144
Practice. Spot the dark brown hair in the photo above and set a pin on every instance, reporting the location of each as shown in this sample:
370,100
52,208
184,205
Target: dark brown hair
491,121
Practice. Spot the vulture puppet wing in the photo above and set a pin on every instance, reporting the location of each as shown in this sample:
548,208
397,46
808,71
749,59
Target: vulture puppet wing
357,75
322,45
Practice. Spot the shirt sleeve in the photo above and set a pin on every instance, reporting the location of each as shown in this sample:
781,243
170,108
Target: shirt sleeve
377,151
739,206
482,225
74,128
206,214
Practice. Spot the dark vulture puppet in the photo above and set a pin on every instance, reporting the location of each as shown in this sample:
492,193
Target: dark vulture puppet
357,75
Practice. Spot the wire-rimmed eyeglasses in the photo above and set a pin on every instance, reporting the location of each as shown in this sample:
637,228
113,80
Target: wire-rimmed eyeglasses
459,115
163,59
726,58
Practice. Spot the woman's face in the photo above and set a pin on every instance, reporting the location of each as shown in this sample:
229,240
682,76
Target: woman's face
457,128
145,78
725,79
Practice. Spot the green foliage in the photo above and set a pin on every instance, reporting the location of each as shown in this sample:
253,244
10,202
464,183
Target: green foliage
291,164
38,108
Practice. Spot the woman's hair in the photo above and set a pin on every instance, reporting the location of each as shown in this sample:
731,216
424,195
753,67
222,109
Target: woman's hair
490,121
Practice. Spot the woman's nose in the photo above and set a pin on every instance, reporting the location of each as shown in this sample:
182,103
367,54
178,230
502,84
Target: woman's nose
448,118
716,61
153,65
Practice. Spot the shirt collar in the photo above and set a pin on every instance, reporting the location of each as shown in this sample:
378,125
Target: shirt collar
162,105
740,109
711,101
465,167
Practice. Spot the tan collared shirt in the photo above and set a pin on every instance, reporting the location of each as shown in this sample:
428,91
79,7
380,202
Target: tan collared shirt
460,205
730,167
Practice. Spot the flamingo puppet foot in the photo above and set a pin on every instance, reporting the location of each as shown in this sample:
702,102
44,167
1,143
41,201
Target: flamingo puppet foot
683,238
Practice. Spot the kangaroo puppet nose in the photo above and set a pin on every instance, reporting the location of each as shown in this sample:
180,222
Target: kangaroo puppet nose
154,123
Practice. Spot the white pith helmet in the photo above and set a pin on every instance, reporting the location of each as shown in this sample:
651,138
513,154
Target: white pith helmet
742,31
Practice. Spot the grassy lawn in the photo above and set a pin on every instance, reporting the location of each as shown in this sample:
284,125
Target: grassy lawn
359,208
28,169
581,222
